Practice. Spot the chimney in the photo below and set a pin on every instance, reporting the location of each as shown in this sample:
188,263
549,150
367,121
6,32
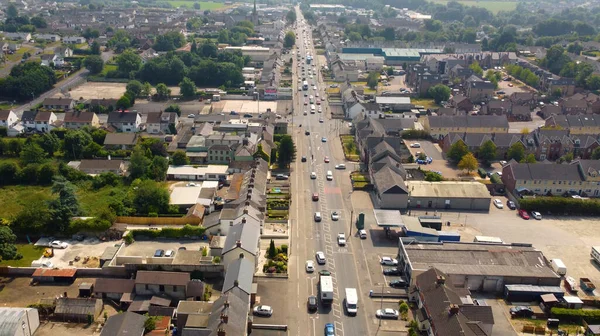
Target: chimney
246,210
252,181
236,283
237,242
65,294
440,280
224,318
253,174
247,204
226,304
249,191
243,222
221,332
453,309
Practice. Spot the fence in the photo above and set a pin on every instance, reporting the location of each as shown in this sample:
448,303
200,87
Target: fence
159,220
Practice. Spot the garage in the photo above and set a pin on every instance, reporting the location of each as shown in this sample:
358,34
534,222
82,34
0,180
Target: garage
448,195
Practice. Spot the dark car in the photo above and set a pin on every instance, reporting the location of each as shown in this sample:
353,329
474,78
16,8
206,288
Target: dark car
312,303
303,158
159,253
391,271
398,283
521,311
306,133
511,205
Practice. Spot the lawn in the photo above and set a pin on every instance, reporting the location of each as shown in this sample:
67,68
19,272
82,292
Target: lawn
204,5
492,6
107,68
19,54
427,103
350,150
30,253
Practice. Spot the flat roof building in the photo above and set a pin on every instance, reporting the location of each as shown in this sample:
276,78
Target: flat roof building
197,173
448,195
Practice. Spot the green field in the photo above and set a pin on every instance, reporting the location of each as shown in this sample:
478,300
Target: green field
492,6
204,5
107,68
30,253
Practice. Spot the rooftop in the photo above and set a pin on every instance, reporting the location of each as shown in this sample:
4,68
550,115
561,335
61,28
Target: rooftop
447,189
185,195
163,278
193,170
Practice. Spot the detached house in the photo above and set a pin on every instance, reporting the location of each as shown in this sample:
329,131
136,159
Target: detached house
62,104
96,167
125,121
63,52
8,118
74,39
50,59
79,119
161,122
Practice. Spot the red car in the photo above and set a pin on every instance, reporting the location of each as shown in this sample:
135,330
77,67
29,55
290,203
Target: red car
315,197
326,159
523,214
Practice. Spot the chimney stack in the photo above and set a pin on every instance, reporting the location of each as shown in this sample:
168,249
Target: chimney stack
237,242
224,318
221,332
247,204
226,304
440,280
236,283
246,211
453,310
243,222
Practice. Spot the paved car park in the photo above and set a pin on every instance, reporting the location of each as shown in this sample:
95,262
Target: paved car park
270,292
147,248
90,247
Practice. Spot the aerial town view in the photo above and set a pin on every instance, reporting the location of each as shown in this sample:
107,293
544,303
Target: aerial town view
275,167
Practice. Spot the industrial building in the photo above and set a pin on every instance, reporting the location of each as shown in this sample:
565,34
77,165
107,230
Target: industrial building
18,321
478,266
394,56
448,195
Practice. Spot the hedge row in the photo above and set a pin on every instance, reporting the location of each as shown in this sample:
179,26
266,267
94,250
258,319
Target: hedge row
561,205
416,134
576,315
185,232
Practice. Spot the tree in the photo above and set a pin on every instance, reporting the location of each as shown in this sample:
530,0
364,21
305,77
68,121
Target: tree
530,158
187,88
595,155
123,103
8,249
39,22
46,173
289,40
94,64
11,11
135,87
525,130
439,93
64,207
487,152
138,163
180,158
9,172
196,6
593,82
457,151
373,80
272,252
286,151
468,163
149,324
158,168
128,62
162,91
74,143
95,48
174,108
516,152
150,196
291,16
433,25
389,34
476,68
32,153
146,89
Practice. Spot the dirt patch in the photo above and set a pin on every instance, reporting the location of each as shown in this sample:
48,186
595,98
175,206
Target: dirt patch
17,292
61,328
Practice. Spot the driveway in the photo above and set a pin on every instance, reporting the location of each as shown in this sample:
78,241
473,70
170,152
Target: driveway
429,148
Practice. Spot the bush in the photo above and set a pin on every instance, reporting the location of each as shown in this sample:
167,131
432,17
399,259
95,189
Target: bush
482,173
128,238
185,232
576,315
89,225
416,134
495,178
561,205
433,176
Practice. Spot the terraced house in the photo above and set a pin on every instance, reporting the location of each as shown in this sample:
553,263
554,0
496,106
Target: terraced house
440,126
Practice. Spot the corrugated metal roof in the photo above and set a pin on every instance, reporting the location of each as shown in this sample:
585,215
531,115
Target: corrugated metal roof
63,273
9,320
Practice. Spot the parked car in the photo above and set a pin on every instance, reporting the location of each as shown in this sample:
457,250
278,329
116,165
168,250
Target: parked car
387,261
415,145
326,159
169,253
523,214
263,310
362,234
536,215
387,313
323,139
391,271
521,311
310,266
511,205
306,132
399,283
340,166
159,253
313,175
59,245
341,239
498,203
303,158
312,303
191,115
281,177
315,197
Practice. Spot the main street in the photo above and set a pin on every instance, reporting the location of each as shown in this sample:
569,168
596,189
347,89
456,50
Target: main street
309,236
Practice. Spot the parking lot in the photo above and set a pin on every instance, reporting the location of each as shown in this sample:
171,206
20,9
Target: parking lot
90,247
270,293
147,248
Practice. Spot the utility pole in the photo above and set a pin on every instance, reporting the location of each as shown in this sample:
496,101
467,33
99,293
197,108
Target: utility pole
381,303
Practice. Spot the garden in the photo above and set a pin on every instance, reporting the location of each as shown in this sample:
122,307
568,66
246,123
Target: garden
277,259
350,149
360,181
278,203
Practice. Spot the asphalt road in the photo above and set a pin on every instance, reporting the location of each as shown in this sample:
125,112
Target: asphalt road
309,236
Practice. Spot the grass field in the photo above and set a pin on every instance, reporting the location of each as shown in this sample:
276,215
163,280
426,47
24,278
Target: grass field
492,6
427,103
30,253
19,54
107,68
204,5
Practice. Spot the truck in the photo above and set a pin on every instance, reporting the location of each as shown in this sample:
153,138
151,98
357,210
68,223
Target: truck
587,284
559,267
595,253
351,303
326,290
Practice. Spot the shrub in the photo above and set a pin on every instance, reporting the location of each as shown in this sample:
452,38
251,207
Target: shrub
495,178
482,173
217,260
185,232
433,176
561,205
284,249
89,225
128,238
576,315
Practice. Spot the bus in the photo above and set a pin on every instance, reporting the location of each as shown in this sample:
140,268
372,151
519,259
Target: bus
326,290
305,85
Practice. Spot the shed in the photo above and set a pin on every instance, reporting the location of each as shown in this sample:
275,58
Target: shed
86,289
54,275
114,289
124,324
448,195
547,301
573,302
108,254
525,293
78,309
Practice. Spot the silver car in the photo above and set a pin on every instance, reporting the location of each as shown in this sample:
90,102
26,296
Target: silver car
263,310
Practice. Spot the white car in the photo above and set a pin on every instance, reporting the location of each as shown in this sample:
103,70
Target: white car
341,239
58,244
362,234
313,176
415,145
191,115
340,166
263,310
536,215
335,216
309,266
498,203
320,256
387,313
387,261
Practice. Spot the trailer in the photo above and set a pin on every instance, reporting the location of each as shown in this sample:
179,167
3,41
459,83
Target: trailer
587,284
571,284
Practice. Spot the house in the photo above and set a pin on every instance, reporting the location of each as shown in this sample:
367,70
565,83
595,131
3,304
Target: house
371,110
390,189
479,90
425,81
114,289
172,284
243,238
62,104
14,46
449,111
49,59
162,122
439,126
574,106
125,121
576,124
47,37
77,309
102,105
63,52
549,110
96,167
124,324
460,103
196,312
240,274
8,118
444,309
503,142
17,36
497,107
229,316
546,179
125,141
74,39
39,121
79,119
520,113
19,321
524,98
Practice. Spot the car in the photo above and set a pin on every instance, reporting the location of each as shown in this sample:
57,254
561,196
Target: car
313,176
324,272
305,94
182,248
58,244
498,203
510,85
329,329
340,166
511,205
263,310
387,261
309,266
306,132
305,113
318,102
169,253
362,234
159,253
523,214
536,215
341,239
191,184
315,197
326,159
312,303
415,145
323,139
521,311
391,271
335,216
503,163
320,256
387,313
398,283
306,102
281,177
317,216
191,115
322,98
321,120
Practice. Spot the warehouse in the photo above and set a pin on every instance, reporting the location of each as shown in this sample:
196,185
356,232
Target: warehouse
18,321
448,195
478,266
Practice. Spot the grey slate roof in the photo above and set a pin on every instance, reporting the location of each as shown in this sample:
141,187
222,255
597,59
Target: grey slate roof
235,304
549,172
10,319
239,273
468,121
122,117
124,324
388,181
248,234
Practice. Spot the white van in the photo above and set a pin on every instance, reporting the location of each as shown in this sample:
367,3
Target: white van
559,267
329,175
351,302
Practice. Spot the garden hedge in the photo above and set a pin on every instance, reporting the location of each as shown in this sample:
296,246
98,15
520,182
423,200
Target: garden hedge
561,205
576,315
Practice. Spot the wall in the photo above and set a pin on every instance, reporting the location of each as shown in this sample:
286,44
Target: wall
151,289
393,201
159,220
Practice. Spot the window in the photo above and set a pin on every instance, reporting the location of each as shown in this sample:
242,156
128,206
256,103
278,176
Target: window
558,190
146,286
174,288
161,288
